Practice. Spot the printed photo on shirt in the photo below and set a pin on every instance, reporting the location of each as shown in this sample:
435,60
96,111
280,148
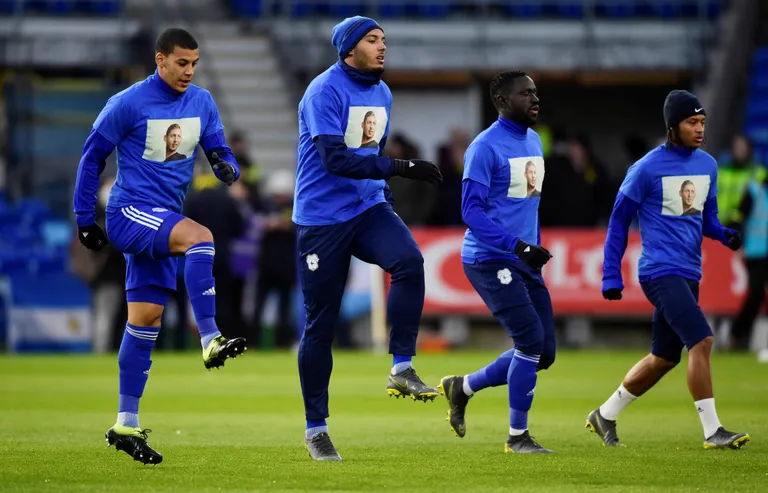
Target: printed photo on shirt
365,127
684,195
171,140
526,175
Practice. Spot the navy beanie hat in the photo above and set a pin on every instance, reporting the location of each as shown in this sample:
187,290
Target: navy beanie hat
347,33
680,105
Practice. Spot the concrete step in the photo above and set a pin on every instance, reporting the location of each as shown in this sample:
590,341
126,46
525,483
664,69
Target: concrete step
236,45
230,64
262,119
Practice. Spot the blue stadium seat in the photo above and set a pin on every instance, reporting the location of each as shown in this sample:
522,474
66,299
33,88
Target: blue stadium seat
346,9
247,8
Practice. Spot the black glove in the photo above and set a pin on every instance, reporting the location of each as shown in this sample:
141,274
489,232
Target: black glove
532,255
223,170
613,294
418,169
733,239
92,237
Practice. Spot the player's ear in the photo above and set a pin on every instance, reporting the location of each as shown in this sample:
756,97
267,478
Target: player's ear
159,59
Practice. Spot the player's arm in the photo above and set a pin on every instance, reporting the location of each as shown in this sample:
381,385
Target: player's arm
624,210
215,147
323,117
631,194
387,192
111,126
712,228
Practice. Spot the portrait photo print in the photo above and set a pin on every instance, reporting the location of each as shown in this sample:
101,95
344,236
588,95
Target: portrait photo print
526,175
365,127
684,195
171,140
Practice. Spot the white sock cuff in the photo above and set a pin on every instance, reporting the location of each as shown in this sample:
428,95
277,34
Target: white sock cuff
466,388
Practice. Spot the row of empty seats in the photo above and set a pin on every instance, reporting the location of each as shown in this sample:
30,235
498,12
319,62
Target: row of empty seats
33,238
569,9
756,118
62,7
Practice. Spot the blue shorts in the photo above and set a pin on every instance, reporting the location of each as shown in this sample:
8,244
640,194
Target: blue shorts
520,301
678,320
141,233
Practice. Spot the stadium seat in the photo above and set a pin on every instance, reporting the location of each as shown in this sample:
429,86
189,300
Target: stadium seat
247,8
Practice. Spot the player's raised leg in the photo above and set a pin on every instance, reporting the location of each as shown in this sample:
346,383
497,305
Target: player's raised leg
324,258
383,239
195,242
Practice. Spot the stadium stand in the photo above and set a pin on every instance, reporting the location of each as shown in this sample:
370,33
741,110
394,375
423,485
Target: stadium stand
756,122
439,9
79,8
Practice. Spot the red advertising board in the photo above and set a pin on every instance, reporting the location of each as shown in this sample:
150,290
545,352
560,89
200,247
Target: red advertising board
574,274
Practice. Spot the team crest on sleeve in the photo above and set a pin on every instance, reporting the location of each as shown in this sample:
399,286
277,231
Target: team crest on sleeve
313,262
365,126
171,139
526,177
504,276
684,195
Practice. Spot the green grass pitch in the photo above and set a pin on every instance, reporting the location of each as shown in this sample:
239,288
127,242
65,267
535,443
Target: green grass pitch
241,428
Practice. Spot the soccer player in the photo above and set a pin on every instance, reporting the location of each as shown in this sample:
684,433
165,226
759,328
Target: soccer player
143,217
502,256
341,209
669,267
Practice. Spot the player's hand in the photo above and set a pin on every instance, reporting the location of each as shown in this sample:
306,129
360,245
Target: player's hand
223,170
418,169
92,237
613,294
532,255
732,239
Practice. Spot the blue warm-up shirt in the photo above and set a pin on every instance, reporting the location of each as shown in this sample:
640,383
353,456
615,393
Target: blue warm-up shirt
343,124
156,131
673,193
501,191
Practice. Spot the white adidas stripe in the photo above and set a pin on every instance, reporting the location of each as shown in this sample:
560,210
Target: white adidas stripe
202,251
148,217
532,359
128,214
141,336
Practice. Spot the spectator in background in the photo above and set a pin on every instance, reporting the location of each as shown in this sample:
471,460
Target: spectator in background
732,180
450,159
414,200
104,272
276,271
250,171
754,211
218,210
578,190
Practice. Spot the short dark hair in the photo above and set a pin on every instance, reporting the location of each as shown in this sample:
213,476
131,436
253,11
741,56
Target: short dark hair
502,81
173,37
369,113
687,182
171,128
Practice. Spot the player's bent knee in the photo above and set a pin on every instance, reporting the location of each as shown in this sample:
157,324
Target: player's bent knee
142,314
186,234
410,264
663,364
703,345
546,361
530,342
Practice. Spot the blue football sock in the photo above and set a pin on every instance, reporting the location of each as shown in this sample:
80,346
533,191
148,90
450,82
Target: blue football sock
492,375
198,277
134,363
521,383
400,363
315,428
